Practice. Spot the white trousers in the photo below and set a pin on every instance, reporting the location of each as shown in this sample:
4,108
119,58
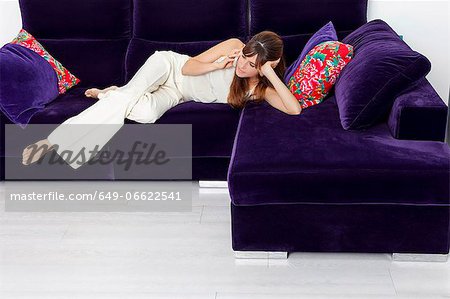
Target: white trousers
154,89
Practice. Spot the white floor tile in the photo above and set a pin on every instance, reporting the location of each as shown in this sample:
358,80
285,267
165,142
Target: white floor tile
216,214
319,296
426,278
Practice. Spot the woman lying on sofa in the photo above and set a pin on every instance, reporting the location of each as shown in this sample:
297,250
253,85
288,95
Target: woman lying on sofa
230,72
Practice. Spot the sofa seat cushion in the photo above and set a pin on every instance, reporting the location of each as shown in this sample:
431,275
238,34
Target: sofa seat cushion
214,125
63,107
309,158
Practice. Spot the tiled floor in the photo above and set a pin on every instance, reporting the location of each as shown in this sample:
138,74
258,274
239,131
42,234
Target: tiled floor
184,255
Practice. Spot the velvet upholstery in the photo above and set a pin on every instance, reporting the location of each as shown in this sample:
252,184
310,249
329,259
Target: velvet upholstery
98,63
362,228
90,38
207,139
28,83
67,19
296,21
65,106
211,144
305,16
214,22
310,158
139,50
200,20
383,65
418,113
324,34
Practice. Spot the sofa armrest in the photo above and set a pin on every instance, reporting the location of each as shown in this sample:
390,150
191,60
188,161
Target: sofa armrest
418,113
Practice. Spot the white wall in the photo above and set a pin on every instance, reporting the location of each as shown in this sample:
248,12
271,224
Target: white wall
423,24
10,20
425,28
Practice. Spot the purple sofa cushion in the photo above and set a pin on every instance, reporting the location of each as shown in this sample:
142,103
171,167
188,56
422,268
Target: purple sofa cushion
139,50
98,63
63,107
296,21
324,34
68,19
208,139
178,22
28,82
205,29
90,37
418,113
382,67
311,159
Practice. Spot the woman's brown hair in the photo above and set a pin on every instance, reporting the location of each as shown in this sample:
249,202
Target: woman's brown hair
269,47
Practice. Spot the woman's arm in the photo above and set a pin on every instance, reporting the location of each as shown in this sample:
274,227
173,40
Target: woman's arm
281,97
205,62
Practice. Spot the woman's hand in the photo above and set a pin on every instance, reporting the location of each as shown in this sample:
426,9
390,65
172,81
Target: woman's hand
268,66
227,61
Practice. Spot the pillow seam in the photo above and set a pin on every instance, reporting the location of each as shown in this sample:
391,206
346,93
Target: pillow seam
379,91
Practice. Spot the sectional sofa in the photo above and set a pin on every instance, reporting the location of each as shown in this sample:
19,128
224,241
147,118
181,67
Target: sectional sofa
297,183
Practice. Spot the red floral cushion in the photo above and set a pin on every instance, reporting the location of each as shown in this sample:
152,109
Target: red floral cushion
318,71
66,79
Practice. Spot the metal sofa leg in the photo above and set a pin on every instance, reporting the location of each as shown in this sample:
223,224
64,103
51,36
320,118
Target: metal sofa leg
213,184
260,254
419,257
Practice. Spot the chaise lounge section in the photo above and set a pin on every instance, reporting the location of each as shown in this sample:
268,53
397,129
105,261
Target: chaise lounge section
306,184
303,183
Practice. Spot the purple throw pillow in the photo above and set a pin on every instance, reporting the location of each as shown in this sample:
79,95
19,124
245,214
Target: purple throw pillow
28,82
324,34
382,67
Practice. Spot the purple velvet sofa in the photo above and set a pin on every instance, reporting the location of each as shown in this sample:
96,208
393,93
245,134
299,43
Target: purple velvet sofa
296,183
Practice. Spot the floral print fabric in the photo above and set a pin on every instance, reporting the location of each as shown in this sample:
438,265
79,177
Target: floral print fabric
66,79
318,72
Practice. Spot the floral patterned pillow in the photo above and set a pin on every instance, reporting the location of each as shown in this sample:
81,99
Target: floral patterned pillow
317,73
66,79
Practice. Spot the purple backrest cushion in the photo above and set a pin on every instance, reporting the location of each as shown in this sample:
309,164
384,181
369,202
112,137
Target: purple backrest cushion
324,34
297,21
382,67
183,27
88,37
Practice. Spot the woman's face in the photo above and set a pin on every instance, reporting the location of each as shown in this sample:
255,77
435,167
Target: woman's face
245,66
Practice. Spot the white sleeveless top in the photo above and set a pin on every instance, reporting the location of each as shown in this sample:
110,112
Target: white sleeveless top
211,87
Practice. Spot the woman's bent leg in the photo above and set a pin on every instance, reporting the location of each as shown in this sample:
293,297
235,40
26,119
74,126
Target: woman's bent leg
152,105
104,118
153,73
91,129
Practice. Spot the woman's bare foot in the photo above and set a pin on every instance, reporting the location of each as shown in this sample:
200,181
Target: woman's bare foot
93,92
35,151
